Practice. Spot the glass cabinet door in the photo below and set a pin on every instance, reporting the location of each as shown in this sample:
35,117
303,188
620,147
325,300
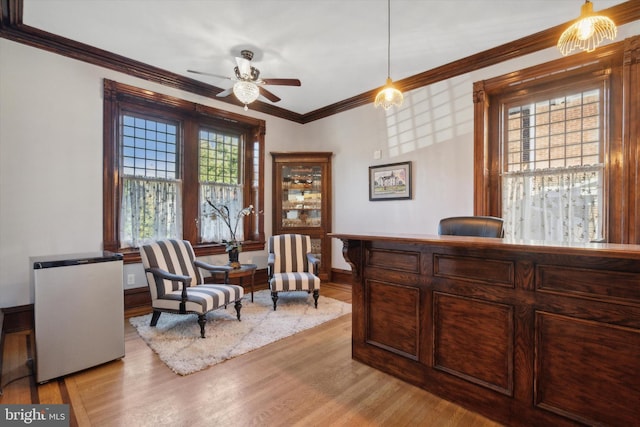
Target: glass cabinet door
301,196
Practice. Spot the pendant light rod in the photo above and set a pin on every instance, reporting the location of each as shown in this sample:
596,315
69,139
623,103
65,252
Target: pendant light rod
389,95
389,38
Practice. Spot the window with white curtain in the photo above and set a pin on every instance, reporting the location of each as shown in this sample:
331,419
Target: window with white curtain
553,166
151,182
221,184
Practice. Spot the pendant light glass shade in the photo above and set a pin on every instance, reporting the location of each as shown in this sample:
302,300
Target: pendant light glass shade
587,32
389,95
246,92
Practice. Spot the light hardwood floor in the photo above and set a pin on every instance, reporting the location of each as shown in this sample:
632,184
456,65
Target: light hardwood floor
308,379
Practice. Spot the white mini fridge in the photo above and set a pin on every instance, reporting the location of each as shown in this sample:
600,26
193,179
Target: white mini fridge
79,312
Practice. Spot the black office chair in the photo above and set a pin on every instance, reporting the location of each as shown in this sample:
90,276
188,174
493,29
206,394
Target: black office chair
478,226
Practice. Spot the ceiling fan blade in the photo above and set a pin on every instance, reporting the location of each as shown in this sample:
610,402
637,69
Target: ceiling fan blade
209,74
282,82
270,96
225,93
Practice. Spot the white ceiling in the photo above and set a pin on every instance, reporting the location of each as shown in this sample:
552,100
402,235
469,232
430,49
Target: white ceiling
337,48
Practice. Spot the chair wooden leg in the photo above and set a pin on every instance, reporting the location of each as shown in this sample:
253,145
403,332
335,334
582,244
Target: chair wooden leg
316,294
154,317
274,297
201,321
238,306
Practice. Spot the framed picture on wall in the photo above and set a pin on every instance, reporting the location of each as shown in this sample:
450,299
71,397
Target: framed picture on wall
390,182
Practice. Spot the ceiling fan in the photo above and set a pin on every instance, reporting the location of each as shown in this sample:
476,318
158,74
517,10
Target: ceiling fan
248,84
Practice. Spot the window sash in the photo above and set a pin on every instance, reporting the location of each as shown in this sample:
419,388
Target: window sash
212,227
151,210
557,205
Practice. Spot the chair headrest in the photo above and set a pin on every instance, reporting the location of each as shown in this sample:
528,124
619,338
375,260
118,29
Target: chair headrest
478,226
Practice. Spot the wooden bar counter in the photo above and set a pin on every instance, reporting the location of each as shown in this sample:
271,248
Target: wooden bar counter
526,334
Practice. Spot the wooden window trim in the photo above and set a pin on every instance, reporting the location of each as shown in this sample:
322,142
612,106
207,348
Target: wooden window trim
622,156
119,97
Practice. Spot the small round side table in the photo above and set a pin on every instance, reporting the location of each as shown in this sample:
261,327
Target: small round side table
245,270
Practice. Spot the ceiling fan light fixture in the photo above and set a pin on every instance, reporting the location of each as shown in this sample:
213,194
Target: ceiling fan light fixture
587,32
246,92
389,95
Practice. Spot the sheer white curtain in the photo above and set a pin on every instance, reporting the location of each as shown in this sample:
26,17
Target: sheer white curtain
151,210
212,228
556,204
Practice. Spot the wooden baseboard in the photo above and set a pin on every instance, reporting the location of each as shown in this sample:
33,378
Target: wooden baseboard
137,297
341,276
19,318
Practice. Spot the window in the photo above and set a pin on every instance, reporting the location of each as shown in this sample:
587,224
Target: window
552,170
220,183
556,148
151,184
164,157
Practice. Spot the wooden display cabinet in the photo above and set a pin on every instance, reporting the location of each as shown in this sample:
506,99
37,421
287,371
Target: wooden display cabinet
302,200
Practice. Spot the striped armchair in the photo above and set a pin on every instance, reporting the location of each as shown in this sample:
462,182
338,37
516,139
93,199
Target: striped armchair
292,267
175,282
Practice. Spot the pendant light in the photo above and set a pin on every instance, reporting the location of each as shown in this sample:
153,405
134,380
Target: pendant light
587,32
389,95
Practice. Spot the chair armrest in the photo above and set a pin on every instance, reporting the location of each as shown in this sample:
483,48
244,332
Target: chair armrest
315,261
312,259
271,260
186,280
169,276
215,269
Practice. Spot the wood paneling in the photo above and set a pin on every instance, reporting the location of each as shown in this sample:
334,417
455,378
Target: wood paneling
587,370
473,339
491,272
604,284
524,334
393,317
388,259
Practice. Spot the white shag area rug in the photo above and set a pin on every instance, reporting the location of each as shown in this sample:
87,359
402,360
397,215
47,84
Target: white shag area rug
176,338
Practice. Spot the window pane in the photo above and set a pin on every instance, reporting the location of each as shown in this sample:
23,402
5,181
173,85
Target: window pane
219,157
149,137
572,123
